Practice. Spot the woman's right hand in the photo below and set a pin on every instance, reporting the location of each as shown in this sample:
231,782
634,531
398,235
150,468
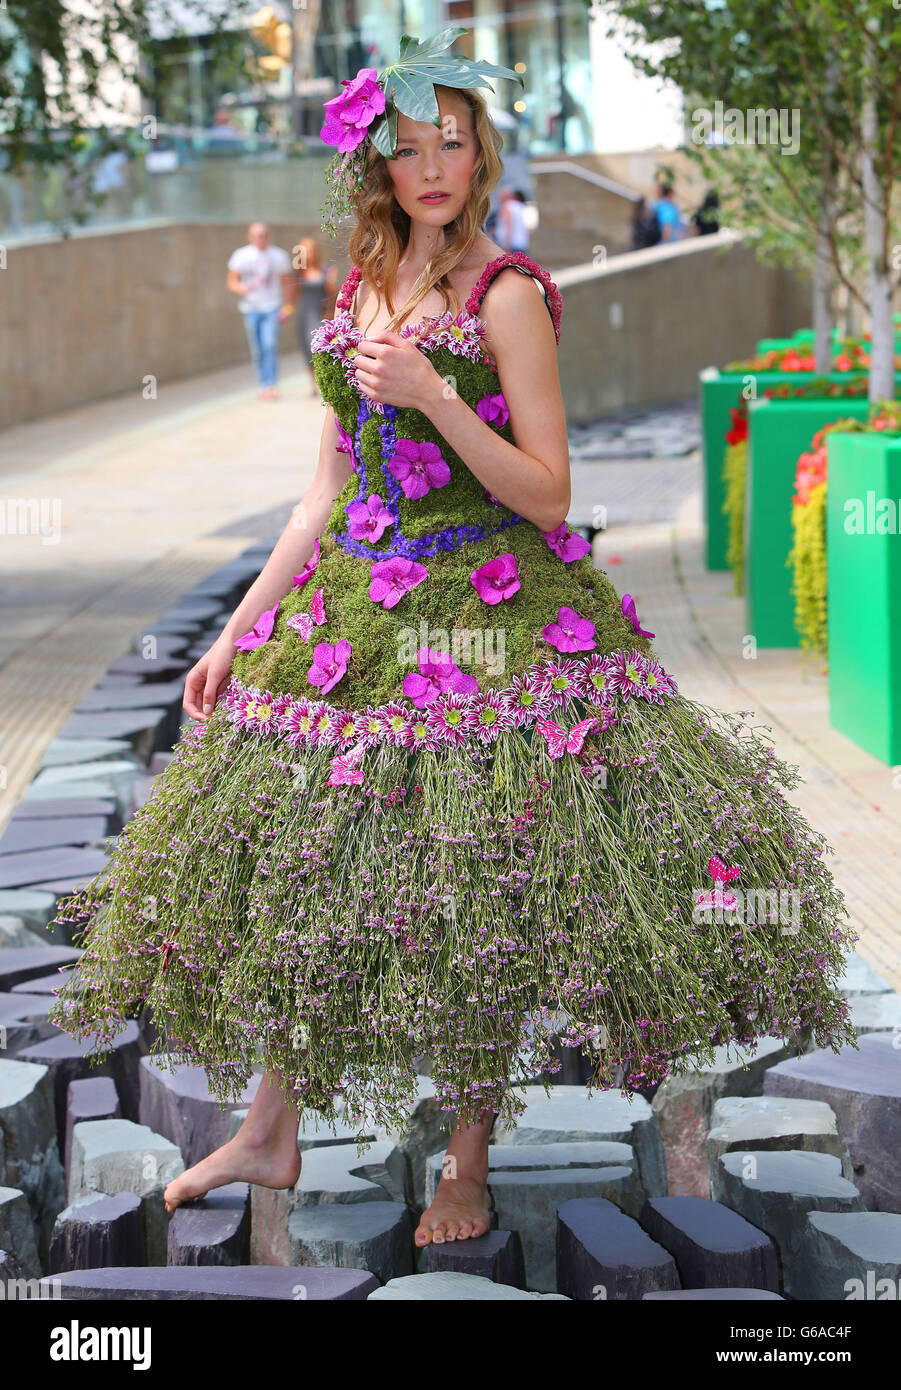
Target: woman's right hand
206,681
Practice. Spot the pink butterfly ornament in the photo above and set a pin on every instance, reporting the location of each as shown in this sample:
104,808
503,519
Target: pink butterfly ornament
559,741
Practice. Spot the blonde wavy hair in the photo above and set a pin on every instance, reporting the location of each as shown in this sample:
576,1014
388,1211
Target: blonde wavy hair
382,228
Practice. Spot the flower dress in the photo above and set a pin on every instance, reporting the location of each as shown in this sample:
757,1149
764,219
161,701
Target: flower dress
450,805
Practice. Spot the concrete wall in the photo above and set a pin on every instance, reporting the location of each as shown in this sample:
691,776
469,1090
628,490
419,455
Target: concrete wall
91,316
638,330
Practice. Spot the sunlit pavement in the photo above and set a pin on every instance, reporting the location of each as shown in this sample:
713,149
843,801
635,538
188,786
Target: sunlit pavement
153,495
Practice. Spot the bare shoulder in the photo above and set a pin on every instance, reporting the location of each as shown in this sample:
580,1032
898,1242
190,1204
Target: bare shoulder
513,308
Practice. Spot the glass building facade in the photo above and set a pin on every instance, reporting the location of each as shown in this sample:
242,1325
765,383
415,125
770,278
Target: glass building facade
547,43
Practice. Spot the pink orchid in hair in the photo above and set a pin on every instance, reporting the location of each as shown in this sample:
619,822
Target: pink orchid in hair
349,116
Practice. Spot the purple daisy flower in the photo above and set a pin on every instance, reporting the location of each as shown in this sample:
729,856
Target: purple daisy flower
451,717
297,722
370,729
625,673
394,718
559,682
524,699
418,734
491,716
594,679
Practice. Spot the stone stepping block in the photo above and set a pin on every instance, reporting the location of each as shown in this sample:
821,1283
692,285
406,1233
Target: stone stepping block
537,1157
570,1115
428,1129
29,1154
40,865
141,791
497,1256
18,1234
68,808
604,1254
23,1022
38,910
376,1236
715,1295
684,1107
713,1247
337,1173
164,667
145,729
773,1122
45,986
214,1231
175,627
14,934
94,1098
187,1283
52,832
108,682
96,1231
873,1013
63,751
775,1191
180,1105
864,1089
450,1285
114,1156
198,609
69,1061
163,693
860,978
850,1256
30,962
528,1202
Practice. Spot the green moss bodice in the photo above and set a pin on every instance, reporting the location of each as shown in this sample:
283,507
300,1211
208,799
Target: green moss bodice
414,518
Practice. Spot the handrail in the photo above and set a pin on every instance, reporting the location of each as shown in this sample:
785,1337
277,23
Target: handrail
568,166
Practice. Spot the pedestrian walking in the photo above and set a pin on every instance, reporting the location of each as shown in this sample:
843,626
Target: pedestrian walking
260,274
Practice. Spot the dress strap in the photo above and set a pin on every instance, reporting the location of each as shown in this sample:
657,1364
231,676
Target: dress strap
347,291
552,296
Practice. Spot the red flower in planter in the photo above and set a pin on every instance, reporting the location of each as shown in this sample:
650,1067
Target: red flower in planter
739,430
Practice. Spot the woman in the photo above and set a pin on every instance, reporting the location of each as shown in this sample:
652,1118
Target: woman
317,286
437,860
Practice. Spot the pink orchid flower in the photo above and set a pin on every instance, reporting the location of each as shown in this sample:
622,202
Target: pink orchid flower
309,568
497,579
368,519
393,578
349,116
566,543
329,664
437,675
493,409
418,465
260,632
570,633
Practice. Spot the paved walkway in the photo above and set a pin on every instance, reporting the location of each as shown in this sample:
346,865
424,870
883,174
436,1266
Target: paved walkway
153,495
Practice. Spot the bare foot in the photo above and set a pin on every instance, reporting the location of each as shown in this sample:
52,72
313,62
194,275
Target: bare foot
266,1165
461,1210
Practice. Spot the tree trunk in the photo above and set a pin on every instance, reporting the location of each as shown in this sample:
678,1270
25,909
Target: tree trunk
823,269
882,329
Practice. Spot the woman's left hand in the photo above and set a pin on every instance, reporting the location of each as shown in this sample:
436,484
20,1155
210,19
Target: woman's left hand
392,370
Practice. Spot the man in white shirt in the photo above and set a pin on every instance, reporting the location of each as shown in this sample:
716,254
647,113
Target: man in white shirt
260,275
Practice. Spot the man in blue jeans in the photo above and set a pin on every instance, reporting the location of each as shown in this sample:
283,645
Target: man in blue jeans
260,275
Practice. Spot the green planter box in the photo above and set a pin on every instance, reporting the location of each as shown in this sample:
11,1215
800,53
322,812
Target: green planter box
779,432
864,592
719,393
